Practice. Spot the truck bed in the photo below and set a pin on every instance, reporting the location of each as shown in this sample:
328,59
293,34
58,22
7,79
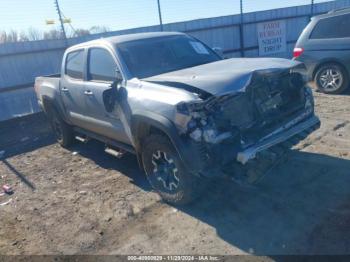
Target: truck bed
46,85
53,79
53,76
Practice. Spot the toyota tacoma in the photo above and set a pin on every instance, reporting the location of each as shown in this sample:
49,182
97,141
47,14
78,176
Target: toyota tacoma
183,110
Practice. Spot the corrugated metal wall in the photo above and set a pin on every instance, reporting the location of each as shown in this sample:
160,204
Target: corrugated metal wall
21,62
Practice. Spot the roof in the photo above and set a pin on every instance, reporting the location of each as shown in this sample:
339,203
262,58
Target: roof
126,38
139,36
334,12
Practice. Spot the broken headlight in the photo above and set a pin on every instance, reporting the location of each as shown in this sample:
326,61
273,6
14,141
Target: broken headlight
196,120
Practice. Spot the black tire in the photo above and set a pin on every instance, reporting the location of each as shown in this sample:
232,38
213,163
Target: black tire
175,187
63,132
339,86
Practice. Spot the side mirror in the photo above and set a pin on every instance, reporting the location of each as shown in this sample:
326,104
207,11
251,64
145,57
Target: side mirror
219,51
109,97
118,76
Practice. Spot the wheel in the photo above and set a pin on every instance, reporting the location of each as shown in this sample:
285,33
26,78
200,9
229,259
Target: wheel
166,172
63,132
331,79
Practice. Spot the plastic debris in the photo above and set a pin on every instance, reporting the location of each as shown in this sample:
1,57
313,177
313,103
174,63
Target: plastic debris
7,189
5,203
2,153
74,153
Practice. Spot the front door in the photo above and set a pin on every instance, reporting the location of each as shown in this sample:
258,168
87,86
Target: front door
101,72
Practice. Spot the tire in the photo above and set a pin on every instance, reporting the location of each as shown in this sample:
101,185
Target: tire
166,172
332,79
63,132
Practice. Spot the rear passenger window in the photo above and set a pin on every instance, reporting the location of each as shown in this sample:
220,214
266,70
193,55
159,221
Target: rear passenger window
75,64
101,66
332,27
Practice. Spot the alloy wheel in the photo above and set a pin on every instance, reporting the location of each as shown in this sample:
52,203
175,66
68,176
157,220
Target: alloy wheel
331,79
165,170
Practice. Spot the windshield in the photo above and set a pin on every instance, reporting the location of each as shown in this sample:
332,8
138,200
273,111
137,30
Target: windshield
149,57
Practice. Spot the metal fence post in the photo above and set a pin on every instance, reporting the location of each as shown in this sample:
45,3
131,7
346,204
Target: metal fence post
312,8
61,21
160,16
241,35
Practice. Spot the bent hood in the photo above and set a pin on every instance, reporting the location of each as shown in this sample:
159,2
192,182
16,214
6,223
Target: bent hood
224,76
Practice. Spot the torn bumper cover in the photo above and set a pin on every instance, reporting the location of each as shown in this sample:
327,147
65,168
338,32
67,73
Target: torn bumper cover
282,135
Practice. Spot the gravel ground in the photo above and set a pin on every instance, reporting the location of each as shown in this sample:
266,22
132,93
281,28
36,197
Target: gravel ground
83,201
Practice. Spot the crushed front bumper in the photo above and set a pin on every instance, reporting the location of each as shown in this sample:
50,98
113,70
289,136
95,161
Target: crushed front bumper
306,126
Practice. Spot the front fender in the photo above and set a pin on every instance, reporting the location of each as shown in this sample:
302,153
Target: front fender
185,149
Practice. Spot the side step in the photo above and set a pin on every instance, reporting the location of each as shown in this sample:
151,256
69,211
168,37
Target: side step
82,139
105,140
115,152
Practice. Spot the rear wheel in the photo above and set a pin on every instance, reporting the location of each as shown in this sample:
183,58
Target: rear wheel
331,79
166,173
63,132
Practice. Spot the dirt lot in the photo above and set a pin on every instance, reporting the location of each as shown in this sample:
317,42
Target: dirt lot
83,201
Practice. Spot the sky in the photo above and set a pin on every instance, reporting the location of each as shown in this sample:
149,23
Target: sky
20,15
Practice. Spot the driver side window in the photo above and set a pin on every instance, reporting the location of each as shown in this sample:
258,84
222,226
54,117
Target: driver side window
101,65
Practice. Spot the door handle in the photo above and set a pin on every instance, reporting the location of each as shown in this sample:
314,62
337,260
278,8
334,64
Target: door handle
88,93
64,89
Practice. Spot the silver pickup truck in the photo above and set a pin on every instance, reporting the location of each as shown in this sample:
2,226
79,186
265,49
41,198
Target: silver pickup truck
170,99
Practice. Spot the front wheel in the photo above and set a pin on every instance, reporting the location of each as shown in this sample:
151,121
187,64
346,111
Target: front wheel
166,173
331,79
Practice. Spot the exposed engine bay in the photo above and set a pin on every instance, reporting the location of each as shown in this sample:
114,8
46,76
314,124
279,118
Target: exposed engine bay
245,117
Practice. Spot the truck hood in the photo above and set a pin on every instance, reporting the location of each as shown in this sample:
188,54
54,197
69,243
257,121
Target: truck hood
224,76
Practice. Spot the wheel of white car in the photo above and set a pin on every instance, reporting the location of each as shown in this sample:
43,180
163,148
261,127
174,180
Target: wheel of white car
166,172
331,79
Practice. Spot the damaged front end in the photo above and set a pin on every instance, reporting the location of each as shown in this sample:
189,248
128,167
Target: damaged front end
270,109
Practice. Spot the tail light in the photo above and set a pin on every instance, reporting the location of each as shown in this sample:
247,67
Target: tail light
297,52
36,86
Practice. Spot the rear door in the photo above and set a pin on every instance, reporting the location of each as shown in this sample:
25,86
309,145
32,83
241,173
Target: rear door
73,86
331,33
101,72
